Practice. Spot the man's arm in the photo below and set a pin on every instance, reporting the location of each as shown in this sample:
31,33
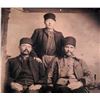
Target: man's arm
34,37
87,75
9,78
34,41
10,82
60,45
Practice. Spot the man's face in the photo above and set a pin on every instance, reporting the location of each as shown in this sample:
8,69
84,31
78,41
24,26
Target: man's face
69,49
25,49
49,23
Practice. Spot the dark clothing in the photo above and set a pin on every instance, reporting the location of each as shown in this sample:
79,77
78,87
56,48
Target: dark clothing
40,38
31,73
50,45
25,77
63,89
26,91
47,45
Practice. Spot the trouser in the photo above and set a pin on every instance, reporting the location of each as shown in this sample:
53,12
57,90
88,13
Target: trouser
26,91
48,60
63,89
46,89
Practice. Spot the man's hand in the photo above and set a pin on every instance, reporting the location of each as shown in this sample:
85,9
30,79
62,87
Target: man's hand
75,85
62,81
38,59
35,87
16,86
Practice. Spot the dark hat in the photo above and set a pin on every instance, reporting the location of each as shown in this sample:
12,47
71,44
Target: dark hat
26,40
50,16
70,40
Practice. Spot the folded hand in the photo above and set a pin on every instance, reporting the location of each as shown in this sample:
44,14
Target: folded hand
34,87
75,85
16,86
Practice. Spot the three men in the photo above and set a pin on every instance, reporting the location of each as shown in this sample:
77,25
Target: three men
70,74
63,70
25,73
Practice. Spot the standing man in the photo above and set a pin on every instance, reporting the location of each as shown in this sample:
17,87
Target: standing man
72,74
47,42
25,73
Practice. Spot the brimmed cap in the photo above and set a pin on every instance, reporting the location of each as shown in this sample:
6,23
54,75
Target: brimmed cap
70,40
50,16
26,40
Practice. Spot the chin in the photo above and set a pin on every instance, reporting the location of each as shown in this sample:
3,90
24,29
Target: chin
69,55
50,27
26,53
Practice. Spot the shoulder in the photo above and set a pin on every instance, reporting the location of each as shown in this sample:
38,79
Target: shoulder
39,30
79,60
59,60
58,32
13,59
76,59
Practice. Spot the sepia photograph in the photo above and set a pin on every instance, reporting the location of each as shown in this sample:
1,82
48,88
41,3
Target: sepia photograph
50,50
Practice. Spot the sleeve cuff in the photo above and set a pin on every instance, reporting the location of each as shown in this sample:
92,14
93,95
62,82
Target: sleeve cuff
83,81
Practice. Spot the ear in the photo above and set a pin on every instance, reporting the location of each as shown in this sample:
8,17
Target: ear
19,46
44,22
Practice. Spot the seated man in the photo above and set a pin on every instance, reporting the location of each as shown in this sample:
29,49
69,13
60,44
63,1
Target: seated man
70,74
25,73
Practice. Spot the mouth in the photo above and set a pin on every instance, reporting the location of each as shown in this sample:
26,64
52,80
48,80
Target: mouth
69,53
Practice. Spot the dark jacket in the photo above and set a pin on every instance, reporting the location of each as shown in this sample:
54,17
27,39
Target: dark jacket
39,39
14,69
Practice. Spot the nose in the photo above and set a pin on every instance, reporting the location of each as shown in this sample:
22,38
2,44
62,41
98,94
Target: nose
69,49
26,47
49,23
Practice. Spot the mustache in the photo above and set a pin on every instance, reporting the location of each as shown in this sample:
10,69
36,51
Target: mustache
71,53
26,50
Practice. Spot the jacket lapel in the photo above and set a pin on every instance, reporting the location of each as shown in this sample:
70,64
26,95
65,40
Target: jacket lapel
55,38
32,65
45,39
55,35
18,66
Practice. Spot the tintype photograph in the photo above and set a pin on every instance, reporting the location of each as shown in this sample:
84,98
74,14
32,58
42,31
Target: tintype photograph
50,50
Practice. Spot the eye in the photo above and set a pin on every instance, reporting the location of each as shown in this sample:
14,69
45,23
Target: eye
66,47
71,47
